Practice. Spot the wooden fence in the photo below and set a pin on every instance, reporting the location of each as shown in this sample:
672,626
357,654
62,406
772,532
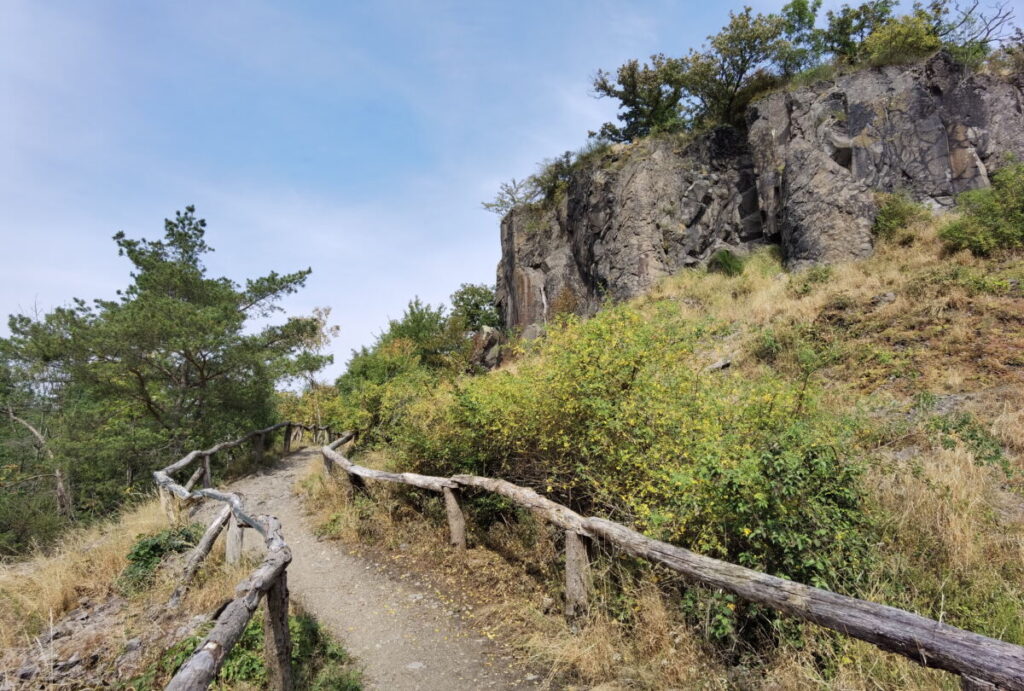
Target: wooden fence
268,580
981,662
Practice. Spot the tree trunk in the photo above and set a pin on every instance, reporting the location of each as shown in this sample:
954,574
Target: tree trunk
65,505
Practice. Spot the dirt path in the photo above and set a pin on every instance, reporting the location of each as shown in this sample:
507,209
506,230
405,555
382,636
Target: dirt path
402,635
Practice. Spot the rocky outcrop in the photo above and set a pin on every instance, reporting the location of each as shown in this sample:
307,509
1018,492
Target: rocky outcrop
805,174
821,152
537,266
632,216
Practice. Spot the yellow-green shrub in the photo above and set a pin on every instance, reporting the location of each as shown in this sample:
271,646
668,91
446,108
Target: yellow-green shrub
992,218
617,416
904,39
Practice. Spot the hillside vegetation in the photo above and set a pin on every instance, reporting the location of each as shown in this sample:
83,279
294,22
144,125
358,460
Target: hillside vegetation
98,394
856,427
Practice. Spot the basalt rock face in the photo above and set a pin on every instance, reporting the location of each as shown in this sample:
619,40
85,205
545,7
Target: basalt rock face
805,175
634,215
822,152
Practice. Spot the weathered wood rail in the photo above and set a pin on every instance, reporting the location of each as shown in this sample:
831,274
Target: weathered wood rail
267,581
981,662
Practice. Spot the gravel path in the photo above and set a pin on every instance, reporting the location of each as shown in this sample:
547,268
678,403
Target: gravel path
402,635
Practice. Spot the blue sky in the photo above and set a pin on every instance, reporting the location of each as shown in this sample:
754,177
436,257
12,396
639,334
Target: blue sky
357,138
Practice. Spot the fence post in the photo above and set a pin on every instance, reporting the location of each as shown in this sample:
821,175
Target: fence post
277,645
235,542
288,438
456,521
170,505
257,449
577,576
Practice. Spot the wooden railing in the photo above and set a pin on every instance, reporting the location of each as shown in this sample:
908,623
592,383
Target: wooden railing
981,662
268,580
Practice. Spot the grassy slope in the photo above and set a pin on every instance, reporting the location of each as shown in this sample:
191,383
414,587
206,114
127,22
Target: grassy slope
928,348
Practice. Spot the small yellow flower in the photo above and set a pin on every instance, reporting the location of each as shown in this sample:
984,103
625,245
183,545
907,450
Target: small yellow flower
747,531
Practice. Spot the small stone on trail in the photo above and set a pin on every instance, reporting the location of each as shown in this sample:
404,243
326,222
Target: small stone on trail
415,665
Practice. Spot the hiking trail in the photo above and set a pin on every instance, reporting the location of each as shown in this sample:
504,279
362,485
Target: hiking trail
402,636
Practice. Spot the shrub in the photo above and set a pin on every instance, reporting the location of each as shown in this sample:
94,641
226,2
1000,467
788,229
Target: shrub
820,73
803,282
147,553
901,40
616,415
725,262
318,662
992,219
895,212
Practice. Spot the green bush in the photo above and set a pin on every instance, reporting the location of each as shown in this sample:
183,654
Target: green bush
895,212
992,219
803,282
616,415
725,262
147,553
901,40
318,663
812,75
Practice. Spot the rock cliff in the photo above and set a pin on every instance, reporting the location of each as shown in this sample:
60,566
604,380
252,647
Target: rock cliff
804,174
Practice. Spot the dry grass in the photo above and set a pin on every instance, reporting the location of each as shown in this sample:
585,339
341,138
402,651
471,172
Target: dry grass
85,564
907,318
651,649
1008,422
952,503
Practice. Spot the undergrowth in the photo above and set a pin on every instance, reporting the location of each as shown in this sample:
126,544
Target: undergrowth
318,663
149,551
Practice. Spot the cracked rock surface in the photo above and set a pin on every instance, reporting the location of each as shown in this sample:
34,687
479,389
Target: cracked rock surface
804,175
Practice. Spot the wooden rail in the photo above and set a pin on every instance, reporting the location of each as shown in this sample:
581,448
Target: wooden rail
981,662
268,581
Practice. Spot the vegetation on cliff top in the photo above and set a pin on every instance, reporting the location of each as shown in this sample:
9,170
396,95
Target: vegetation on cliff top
757,53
